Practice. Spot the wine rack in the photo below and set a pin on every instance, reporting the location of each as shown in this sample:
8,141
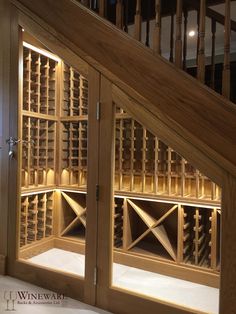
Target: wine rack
36,217
152,229
75,101
38,152
39,82
73,215
146,165
164,209
118,222
38,119
74,153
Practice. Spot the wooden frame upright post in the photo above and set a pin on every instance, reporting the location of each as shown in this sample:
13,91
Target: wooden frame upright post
4,127
93,154
14,170
105,203
228,248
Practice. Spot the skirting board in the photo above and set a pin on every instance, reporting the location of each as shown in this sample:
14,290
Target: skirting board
50,243
196,275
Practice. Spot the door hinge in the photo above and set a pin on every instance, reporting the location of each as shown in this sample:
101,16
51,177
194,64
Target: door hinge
95,276
98,110
97,192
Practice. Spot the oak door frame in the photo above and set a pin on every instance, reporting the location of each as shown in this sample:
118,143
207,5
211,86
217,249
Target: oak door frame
61,282
5,62
123,301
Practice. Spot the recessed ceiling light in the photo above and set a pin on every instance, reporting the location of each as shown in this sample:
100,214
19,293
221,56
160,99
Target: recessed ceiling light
23,29
191,33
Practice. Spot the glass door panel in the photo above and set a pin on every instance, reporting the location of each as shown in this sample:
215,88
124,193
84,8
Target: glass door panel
166,218
54,128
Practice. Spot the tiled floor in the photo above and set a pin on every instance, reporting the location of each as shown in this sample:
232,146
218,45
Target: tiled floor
11,288
166,288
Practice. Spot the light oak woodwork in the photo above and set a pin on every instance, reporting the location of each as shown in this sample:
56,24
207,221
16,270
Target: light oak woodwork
105,203
228,249
13,233
107,297
158,126
40,247
5,25
69,244
92,206
61,282
173,82
58,46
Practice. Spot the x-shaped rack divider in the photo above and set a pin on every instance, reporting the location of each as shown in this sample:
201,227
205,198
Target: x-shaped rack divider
156,227
78,210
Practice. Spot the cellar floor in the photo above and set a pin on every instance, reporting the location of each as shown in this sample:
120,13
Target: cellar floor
181,292
43,305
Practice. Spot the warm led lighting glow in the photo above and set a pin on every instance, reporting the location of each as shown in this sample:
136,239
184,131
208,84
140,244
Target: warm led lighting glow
23,29
37,192
70,190
42,51
172,202
191,33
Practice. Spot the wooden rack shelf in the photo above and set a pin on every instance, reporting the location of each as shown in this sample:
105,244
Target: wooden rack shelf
38,120
144,164
39,82
36,217
75,91
38,152
74,153
187,235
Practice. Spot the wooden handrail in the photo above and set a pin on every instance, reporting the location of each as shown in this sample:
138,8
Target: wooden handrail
188,107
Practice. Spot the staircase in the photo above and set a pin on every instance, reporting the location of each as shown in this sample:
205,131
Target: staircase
178,31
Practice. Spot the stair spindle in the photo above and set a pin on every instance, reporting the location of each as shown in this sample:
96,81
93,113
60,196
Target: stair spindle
178,38
171,58
138,21
185,38
85,3
126,15
201,49
119,14
213,44
157,29
226,68
198,19
148,24
102,8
